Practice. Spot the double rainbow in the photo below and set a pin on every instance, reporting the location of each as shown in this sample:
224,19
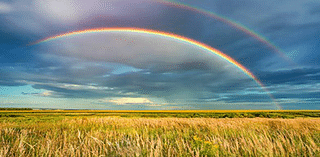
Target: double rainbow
167,35
231,23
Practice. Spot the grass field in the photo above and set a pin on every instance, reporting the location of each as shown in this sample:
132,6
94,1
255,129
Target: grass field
169,133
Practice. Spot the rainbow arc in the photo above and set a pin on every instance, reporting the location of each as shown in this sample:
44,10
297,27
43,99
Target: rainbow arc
231,23
167,35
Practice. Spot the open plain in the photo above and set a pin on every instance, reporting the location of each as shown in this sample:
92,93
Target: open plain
162,133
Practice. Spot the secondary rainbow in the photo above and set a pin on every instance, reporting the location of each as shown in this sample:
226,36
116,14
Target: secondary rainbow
230,22
168,35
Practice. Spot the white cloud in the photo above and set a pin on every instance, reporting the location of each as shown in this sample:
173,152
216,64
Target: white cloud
73,11
5,8
59,10
122,101
42,16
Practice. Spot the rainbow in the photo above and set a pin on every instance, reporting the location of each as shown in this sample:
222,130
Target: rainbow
167,35
231,23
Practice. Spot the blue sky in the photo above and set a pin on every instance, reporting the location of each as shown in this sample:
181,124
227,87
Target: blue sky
95,71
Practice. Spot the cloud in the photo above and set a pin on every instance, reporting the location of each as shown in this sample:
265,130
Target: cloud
290,76
43,94
128,100
41,18
9,77
68,77
315,10
98,66
59,90
140,50
5,8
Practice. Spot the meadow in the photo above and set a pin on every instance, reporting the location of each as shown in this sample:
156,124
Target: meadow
154,133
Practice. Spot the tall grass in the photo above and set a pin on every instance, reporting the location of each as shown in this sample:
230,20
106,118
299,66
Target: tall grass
118,136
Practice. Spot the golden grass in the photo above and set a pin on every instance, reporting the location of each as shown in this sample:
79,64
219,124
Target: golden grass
152,111
117,136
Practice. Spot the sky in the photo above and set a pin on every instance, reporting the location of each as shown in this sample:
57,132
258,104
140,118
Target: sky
187,55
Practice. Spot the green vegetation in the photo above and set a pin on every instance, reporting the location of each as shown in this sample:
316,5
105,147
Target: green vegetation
15,108
98,133
162,114
226,114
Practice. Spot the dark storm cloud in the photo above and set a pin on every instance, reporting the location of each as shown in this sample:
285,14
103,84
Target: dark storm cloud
9,78
72,93
181,21
52,68
164,85
293,26
147,83
284,23
66,81
292,76
15,54
187,84
258,98
185,66
70,77
315,9
299,33
301,96
230,7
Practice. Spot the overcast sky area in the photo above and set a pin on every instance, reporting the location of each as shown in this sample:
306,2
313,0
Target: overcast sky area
278,41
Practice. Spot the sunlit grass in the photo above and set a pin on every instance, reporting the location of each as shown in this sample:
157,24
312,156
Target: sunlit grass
167,113
78,135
